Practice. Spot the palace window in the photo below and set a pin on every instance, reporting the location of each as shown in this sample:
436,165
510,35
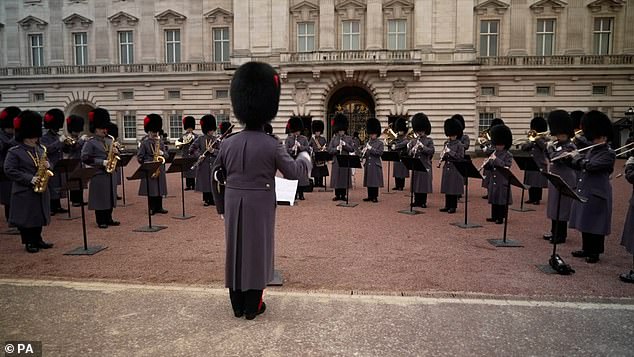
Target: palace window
542,91
489,33
126,47
350,35
485,120
305,36
545,37
36,44
600,89
221,44
222,93
173,94
175,125
602,35
396,34
81,48
129,126
172,46
127,94
487,91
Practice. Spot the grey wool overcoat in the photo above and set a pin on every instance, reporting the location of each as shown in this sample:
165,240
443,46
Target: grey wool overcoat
339,175
158,185
102,189
422,181
373,168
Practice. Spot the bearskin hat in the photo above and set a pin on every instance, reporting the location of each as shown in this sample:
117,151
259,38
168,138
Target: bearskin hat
255,94
152,122
7,115
208,123
420,122
54,119
27,125
189,122
559,122
373,126
268,128
400,124
501,135
496,121
539,124
224,126
596,124
576,116
74,124
98,118
460,119
317,126
453,127
340,122
113,129
295,124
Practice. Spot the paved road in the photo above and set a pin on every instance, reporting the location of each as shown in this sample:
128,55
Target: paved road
105,319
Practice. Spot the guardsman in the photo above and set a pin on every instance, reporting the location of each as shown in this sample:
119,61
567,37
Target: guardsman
535,181
464,139
188,138
373,167
499,195
560,127
206,154
30,210
295,144
579,139
399,144
594,217
488,150
318,143
74,126
54,142
152,149
102,189
341,144
6,142
250,160
422,148
452,184
627,238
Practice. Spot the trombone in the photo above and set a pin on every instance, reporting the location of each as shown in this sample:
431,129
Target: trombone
531,136
629,147
568,154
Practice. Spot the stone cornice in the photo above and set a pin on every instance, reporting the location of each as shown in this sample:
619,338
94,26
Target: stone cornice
28,21
121,16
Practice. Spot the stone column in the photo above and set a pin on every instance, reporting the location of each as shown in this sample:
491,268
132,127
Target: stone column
102,48
464,26
628,34
576,24
194,27
327,25
423,22
12,35
280,26
445,24
241,26
374,25
151,41
519,16
55,46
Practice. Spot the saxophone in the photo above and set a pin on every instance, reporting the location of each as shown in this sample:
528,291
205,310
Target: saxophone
112,158
158,158
42,174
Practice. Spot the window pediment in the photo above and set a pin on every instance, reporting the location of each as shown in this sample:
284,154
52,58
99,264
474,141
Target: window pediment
398,8
350,9
219,16
499,7
77,21
606,5
29,21
305,11
555,5
168,16
123,17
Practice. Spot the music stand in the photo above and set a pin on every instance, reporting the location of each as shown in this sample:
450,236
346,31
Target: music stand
467,170
76,181
412,164
66,166
565,190
324,156
525,163
390,156
512,180
349,162
181,165
124,160
145,171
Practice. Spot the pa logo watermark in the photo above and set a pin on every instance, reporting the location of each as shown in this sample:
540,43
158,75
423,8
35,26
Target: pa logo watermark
23,348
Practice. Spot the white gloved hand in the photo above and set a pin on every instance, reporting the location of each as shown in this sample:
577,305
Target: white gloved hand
630,161
343,143
105,162
34,180
47,164
161,152
222,217
61,138
393,147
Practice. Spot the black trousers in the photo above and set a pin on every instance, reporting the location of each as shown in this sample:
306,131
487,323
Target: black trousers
399,182
208,197
247,301
451,201
373,192
156,203
190,182
319,181
7,209
592,243
56,204
420,198
103,216
498,211
76,196
535,194
31,235
340,192
559,229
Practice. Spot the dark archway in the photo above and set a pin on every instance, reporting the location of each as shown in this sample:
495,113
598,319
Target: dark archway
353,101
81,108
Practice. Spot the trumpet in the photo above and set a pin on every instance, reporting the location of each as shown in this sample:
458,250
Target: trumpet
411,135
484,139
186,139
569,154
67,140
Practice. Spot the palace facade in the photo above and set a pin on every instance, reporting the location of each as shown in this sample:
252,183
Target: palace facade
512,59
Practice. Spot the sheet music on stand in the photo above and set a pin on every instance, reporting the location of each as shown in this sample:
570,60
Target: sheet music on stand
285,190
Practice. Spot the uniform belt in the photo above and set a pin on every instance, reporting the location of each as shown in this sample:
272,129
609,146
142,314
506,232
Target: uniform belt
252,186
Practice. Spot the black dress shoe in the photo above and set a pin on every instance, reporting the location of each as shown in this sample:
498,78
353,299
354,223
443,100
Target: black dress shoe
76,204
301,198
451,210
491,219
260,311
499,221
161,211
579,254
375,200
119,198
548,236
32,248
237,313
114,223
102,226
367,199
628,278
188,188
444,209
43,245
335,198
486,197
423,205
592,258
536,203
558,240
529,202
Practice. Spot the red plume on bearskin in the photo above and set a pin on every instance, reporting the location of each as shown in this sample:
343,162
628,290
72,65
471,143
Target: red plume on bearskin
146,121
48,118
91,116
17,122
3,115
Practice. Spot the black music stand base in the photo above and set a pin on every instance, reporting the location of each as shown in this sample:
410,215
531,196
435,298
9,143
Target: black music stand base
11,231
546,269
410,212
278,280
505,243
183,217
522,208
149,229
69,218
347,204
466,225
88,251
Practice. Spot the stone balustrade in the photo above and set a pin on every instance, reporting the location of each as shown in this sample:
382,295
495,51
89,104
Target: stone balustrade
111,69
364,56
547,61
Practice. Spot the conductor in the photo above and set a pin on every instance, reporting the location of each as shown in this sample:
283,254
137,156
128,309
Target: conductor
246,164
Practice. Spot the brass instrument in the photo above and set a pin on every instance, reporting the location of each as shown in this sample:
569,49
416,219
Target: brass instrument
411,135
569,154
43,174
158,158
414,150
211,148
186,139
388,135
484,139
622,149
445,150
531,136
67,140
363,135
112,157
